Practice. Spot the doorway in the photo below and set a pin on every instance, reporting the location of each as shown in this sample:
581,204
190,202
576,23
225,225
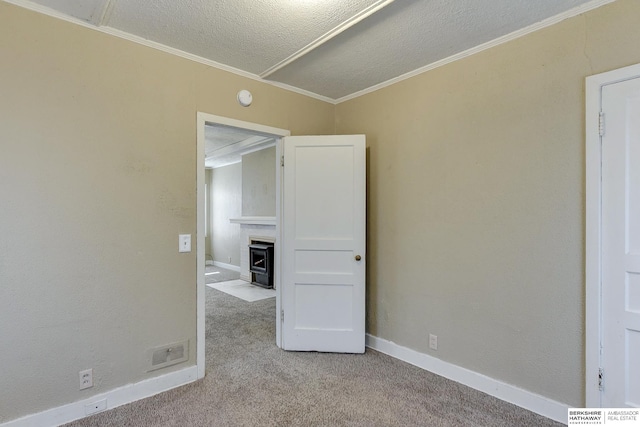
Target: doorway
613,239
204,120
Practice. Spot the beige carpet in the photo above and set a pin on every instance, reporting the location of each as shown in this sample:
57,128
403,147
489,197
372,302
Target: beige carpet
251,382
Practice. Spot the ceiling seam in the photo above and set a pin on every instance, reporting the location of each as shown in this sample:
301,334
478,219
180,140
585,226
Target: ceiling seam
594,4
104,8
578,10
108,10
362,15
29,5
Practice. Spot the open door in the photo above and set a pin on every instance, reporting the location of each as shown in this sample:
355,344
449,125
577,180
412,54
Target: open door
323,244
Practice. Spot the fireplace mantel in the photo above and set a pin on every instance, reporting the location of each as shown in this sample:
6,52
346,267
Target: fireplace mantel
254,220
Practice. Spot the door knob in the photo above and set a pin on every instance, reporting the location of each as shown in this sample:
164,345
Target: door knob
358,257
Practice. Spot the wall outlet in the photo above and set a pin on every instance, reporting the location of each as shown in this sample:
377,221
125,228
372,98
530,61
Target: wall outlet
86,379
95,407
229,259
433,342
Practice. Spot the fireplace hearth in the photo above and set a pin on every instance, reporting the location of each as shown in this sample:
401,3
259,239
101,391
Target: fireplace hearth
261,263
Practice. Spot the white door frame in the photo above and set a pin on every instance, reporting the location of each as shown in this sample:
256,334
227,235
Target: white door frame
202,120
593,260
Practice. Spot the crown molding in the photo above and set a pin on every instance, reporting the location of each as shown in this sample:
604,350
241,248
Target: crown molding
594,4
26,4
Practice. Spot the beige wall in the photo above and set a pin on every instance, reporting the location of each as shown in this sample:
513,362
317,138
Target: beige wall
226,203
475,198
97,179
476,202
259,183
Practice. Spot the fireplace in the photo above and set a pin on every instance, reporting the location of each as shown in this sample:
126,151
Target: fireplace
261,263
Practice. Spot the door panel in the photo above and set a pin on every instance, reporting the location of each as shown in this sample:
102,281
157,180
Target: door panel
621,244
312,301
323,284
317,261
324,191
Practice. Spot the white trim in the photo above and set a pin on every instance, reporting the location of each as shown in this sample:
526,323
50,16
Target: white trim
202,120
159,46
258,148
231,267
114,398
592,242
200,240
226,121
594,4
249,145
254,220
353,20
215,164
593,262
277,273
525,399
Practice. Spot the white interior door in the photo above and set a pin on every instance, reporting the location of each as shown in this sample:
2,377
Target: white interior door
323,244
620,309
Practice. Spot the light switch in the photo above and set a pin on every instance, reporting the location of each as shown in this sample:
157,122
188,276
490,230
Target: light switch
184,243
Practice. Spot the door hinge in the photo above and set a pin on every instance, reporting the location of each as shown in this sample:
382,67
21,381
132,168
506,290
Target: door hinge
601,123
282,315
282,161
600,379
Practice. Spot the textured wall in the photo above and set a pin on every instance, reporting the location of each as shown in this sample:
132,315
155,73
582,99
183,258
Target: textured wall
97,179
476,202
259,183
226,203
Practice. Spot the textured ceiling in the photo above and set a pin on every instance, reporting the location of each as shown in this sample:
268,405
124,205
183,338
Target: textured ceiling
247,34
331,48
225,145
407,35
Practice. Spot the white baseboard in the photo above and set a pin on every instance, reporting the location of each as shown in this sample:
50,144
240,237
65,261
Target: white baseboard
525,399
227,266
114,398
130,393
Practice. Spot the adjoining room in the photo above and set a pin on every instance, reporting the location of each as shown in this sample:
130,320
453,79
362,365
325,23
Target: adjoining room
240,206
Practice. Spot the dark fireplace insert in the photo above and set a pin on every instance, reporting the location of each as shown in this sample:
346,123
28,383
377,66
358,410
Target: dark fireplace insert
261,264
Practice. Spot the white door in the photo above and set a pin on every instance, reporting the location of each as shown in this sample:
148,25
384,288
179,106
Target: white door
323,244
621,245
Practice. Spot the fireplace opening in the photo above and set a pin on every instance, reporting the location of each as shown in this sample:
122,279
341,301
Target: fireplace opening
261,263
